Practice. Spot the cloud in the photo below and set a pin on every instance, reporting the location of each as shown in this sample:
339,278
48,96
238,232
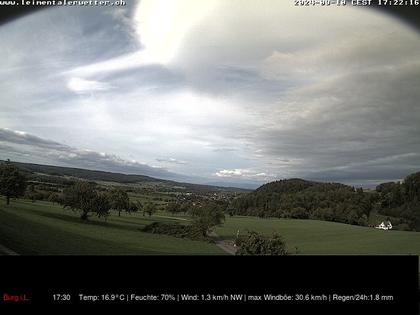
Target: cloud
239,89
229,173
246,174
79,85
170,160
24,147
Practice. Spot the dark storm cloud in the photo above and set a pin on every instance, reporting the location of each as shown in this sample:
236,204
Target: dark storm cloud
364,125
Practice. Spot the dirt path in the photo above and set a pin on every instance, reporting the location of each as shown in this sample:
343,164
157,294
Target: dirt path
222,244
4,251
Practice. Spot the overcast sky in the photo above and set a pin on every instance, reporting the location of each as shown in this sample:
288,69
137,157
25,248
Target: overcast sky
214,91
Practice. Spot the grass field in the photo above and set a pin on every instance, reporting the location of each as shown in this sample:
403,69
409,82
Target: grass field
321,237
43,228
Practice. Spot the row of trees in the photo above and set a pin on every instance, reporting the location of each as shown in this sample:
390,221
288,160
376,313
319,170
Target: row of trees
84,197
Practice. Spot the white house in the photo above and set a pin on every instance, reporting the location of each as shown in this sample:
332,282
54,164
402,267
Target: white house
384,225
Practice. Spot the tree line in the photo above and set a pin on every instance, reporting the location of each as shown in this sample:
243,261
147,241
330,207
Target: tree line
85,198
401,200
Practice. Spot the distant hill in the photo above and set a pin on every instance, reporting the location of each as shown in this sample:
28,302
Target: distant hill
56,174
302,199
83,173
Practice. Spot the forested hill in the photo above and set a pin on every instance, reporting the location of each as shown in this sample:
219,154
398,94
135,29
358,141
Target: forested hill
301,199
298,198
295,185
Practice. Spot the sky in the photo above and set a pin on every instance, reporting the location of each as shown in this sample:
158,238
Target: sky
236,92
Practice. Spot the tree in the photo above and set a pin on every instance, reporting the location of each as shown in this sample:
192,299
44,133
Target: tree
54,198
132,207
119,200
139,205
412,187
230,210
185,207
150,208
257,244
101,205
173,207
12,182
30,193
207,217
83,197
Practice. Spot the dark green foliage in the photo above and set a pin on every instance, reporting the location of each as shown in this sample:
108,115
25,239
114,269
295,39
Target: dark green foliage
133,207
390,194
411,187
300,199
177,230
139,205
207,216
173,207
101,205
51,180
119,200
402,200
150,208
33,194
12,182
84,198
54,198
258,244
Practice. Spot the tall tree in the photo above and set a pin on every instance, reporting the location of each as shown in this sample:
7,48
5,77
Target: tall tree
83,197
12,182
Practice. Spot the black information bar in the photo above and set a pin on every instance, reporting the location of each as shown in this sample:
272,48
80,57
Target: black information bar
382,284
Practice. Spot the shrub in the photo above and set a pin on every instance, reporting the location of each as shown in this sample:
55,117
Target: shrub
177,230
257,244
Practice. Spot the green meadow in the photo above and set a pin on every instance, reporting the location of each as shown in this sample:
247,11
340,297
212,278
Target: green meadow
322,237
43,228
